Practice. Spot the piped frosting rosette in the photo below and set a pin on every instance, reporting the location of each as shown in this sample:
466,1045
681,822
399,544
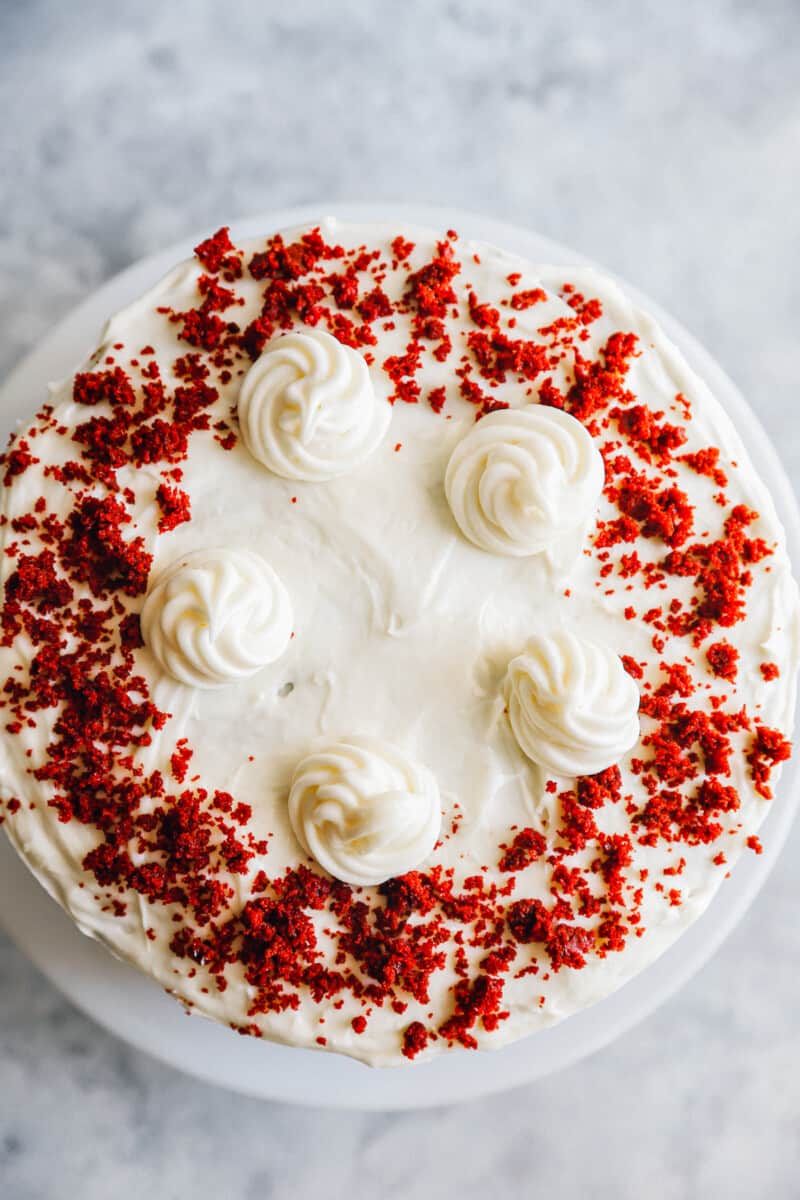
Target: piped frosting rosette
524,478
216,616
307,409
365,811
572,705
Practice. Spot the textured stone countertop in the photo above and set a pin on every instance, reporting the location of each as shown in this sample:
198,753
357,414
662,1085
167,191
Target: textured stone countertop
661,139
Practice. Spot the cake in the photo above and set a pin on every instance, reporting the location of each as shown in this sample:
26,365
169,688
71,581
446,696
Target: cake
398,645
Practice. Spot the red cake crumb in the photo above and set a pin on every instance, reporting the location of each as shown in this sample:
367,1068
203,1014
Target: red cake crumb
174,505
219,255
180,760
597,384
97,387
660,512
415,1039
485,316
17,460
768,748
526,848
497,356
523,300
705,462
654,441
719,570
475,1001
429,291
436,399
722,658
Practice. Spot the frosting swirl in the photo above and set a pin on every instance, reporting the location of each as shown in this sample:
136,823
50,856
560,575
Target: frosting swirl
307,408
363,810
522,478
572,705
216,616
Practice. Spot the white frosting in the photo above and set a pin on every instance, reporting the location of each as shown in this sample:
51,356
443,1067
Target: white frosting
307,408
572,705
404,632
364,811
216,616
522,479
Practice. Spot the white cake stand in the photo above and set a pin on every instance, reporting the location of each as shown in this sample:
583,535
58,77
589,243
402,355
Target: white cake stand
135,1009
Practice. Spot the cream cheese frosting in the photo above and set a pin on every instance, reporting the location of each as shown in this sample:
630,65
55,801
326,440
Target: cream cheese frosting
307,409
216,616
539,892
524,479
365,812
571,704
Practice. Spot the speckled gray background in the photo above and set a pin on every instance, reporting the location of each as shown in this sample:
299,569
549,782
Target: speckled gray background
660,138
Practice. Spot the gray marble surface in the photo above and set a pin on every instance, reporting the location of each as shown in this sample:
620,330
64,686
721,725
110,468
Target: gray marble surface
660,138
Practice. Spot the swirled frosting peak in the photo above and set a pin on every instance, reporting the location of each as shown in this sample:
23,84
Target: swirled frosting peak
363,810
523,478
216,616
572,705
307,408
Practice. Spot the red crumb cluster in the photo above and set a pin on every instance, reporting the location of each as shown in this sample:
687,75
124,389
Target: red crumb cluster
722,658
176,844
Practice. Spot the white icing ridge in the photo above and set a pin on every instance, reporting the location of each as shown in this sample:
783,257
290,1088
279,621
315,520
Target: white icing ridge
307,408
524,478
572,705
365,811
217,616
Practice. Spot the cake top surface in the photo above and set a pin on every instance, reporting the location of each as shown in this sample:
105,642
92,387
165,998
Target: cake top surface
398,646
